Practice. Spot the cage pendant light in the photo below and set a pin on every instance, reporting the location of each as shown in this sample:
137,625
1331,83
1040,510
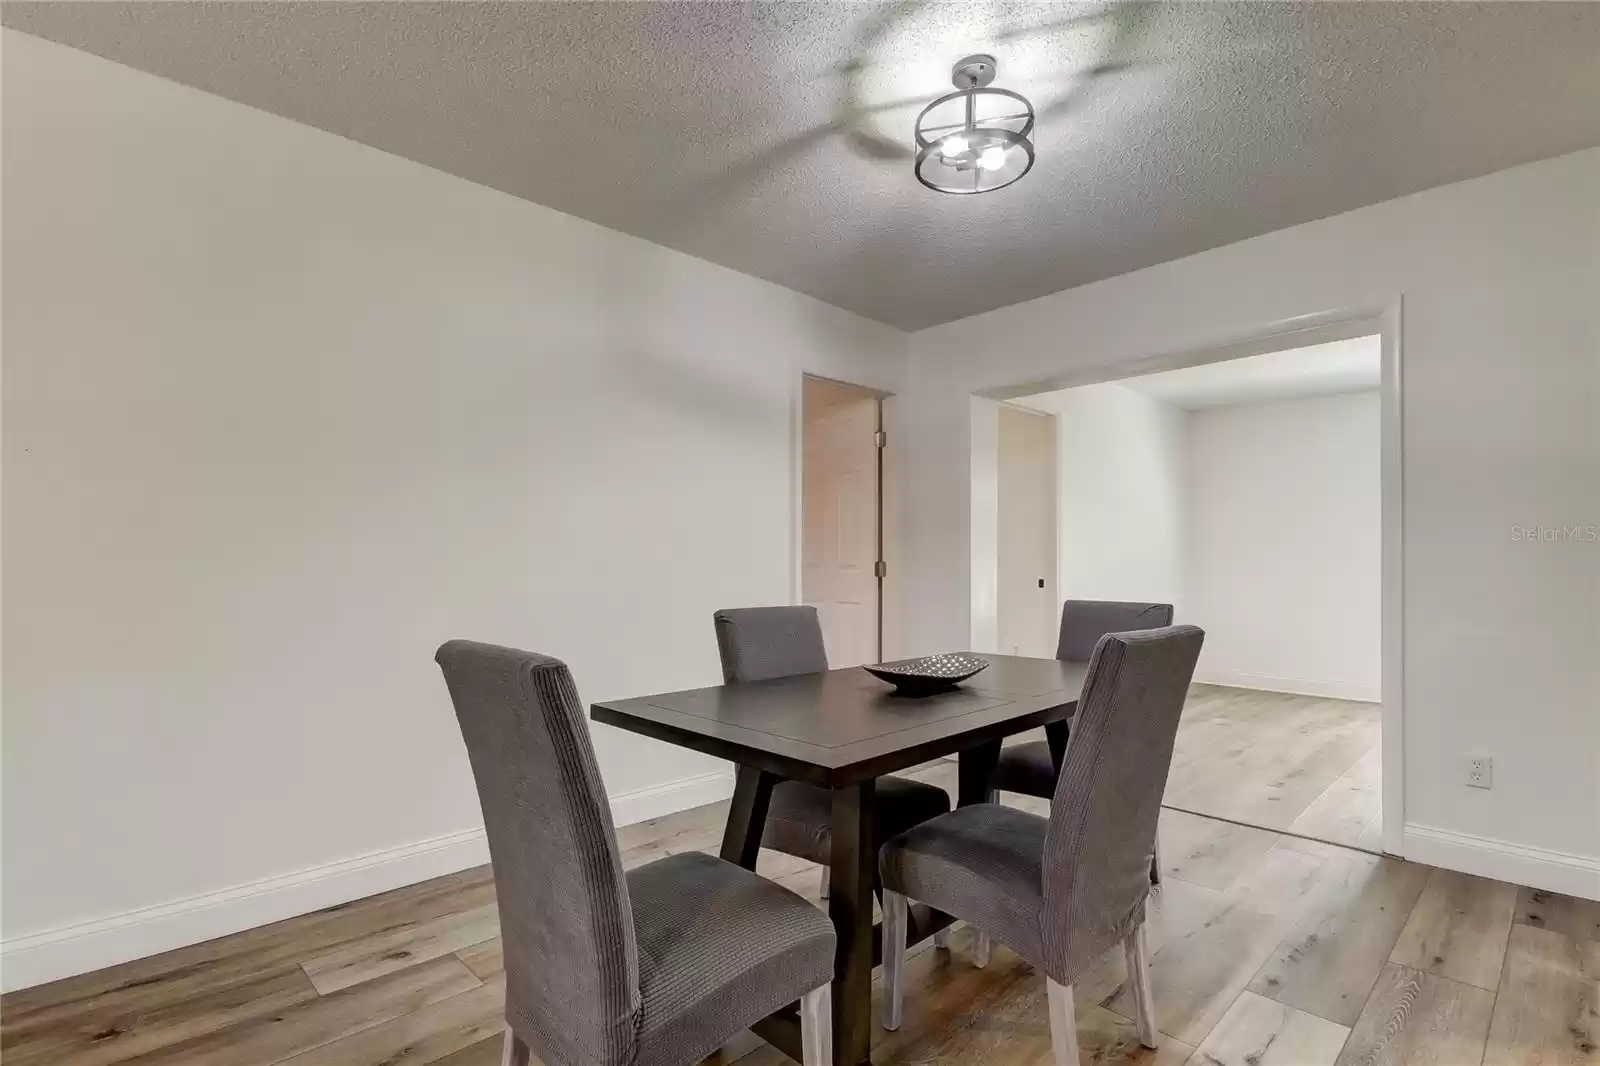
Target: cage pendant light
975,139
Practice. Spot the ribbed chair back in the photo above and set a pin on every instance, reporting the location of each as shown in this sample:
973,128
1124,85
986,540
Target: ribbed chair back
1108,796
1084,622
572,966
760,643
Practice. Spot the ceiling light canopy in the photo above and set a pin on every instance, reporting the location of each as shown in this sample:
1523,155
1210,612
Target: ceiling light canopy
976,138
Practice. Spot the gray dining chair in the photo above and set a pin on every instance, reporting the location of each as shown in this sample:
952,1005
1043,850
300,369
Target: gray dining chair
662,964
762,643
1063,890
1029,768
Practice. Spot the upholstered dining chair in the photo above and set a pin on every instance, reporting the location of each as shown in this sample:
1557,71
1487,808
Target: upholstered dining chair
1061,891
1029,768
762,643
660,965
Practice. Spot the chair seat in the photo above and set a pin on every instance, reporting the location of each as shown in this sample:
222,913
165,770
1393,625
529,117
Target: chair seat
719,948
800,816
1026,769
984,864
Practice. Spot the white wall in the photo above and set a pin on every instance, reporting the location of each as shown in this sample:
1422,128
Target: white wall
1501,408
1027,610
1282,543
984,632
1120,465
281,414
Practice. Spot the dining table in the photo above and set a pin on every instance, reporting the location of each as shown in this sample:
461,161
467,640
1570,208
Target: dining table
842,730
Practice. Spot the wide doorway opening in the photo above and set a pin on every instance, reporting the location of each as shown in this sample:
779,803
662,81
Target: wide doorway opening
1248,493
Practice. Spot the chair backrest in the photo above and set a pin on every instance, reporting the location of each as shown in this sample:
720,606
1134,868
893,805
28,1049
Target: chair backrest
758,643
572,967
1084,622
1108,796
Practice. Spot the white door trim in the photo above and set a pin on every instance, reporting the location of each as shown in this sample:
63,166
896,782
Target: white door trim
1392,669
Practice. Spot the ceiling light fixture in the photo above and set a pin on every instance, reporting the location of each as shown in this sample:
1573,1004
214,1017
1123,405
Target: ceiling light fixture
975,139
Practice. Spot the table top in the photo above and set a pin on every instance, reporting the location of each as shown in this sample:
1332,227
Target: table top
844,726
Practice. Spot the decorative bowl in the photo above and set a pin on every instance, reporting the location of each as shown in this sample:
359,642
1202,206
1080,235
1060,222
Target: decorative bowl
929,674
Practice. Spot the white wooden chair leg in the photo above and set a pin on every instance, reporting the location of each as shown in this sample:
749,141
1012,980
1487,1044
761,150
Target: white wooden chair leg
514,1052
1137,951
816,1027
822,890
980,949
894,957
1063,1025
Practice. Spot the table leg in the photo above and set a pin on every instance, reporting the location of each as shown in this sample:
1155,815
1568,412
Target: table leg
1056,734
850,906
747,816
975,772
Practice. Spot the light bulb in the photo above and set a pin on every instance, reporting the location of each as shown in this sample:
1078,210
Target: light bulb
955,144
993,158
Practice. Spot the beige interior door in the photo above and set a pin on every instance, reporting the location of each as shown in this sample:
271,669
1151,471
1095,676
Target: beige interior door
840,517
1026,604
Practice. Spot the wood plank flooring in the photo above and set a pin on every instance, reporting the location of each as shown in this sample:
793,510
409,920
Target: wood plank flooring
1298,764
1260,1032
1267,950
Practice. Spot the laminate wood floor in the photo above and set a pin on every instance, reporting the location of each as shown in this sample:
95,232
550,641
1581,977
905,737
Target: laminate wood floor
1268,950
1298,764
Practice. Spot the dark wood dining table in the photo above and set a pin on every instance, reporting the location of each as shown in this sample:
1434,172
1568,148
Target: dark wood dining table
842,730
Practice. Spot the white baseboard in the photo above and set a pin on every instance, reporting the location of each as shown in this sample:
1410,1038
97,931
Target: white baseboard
646,803
1296,686
1518,864
83,946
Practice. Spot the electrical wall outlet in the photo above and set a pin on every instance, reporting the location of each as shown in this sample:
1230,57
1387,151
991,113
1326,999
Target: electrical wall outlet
1480,771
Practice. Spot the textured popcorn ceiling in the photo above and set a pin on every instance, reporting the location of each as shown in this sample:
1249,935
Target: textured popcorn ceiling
758,136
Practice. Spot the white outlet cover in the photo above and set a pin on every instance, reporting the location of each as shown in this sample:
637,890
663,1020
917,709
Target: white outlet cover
1480,771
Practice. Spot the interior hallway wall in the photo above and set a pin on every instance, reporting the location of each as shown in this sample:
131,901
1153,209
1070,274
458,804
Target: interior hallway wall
1283,544
1028,607
1121,497
984,558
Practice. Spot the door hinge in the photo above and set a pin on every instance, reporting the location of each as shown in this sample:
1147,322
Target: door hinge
880,438
880,569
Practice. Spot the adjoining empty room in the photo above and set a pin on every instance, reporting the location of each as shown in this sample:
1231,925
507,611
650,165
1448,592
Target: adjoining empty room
1247,494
